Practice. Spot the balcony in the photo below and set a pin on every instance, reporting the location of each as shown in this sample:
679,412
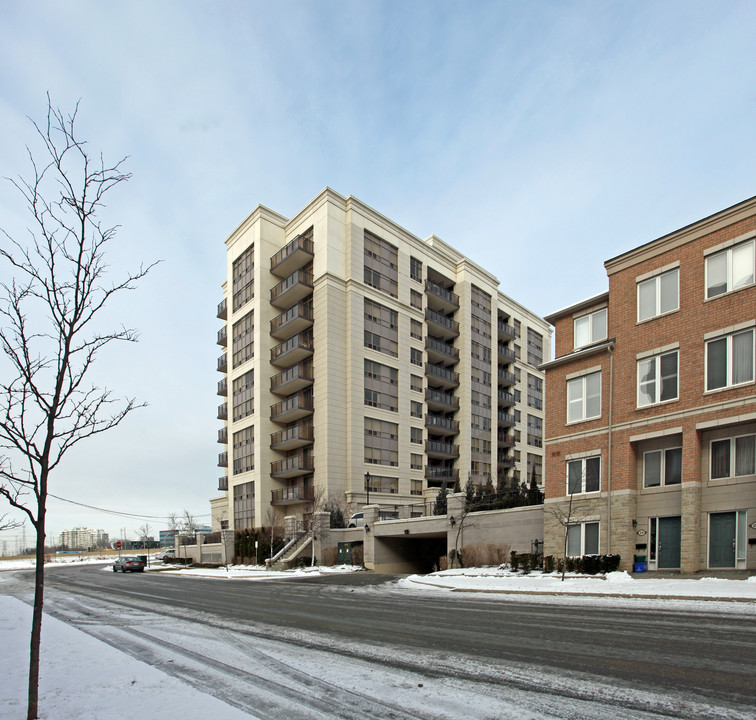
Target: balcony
223,483
292,495
223,387
434,448
505,354
441,473
441,376
439,351
291,438
292,321
506,378
294,289
441,325
438,400
439,425
506,419
292,351
505,440
223,435
222,310
300,463
222,363
292,409
506,331
223,411
441,299
296,378
294,255
223,459
222,336
506,398
506,462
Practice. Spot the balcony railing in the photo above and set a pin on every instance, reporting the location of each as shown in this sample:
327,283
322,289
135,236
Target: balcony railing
507,330
293,379
222,363
441,425
292,321
222,336
289,495
506,378
295,254
439,372
223,387
222,309
223,483
448,298
223,459
297,464
506,419
292,437
506,353
441,398
223,411
505,440
295,407
506,398
291,290
223,435
438,346
293,350
506,462
447,326
437,472
434,447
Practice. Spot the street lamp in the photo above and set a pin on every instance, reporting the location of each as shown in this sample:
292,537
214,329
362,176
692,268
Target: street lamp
367,487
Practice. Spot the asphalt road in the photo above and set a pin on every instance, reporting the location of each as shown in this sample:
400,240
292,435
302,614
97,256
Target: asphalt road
700,655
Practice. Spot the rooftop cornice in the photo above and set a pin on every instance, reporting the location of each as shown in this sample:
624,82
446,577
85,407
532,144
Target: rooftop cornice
604,346
595,300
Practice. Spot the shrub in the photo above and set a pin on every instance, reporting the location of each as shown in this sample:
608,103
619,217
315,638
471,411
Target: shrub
443,563
526,562
514,561
330,556
548,564
591,564
358,555
611,562
569,564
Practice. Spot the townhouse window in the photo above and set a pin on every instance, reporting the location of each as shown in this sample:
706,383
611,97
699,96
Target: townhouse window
416,299
590,328
584,397
416,462
659,295
730,269
416,383
658,379
416,269
416,356
733,457
416,329
416,435
582,539
729,360
662,467
416,409
584,475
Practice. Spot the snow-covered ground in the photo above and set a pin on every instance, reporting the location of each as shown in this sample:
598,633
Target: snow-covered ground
84,677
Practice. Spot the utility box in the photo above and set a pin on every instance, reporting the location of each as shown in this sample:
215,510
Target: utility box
344,556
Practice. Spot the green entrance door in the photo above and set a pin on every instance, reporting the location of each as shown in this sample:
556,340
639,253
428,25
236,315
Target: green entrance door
722,540
669,543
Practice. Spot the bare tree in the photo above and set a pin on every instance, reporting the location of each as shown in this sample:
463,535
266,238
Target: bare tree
314,505
275,528
174,521
567,514
7,523
51,330
188,522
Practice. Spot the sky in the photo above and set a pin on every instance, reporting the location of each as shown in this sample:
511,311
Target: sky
539,139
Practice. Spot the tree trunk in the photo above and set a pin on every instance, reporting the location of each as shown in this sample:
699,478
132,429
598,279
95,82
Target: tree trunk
39,590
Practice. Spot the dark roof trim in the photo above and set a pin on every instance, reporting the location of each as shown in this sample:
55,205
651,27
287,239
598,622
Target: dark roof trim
601,297
579,354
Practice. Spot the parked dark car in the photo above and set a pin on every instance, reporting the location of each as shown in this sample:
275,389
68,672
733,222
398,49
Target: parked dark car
128,564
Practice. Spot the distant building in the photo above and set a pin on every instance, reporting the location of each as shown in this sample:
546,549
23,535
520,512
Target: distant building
82,538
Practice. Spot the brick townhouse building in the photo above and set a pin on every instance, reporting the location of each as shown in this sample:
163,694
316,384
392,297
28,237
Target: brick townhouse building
650,428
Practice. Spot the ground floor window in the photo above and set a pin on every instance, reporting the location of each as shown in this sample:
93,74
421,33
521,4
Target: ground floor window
582,539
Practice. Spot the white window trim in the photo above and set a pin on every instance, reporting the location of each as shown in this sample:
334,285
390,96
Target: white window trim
729,385
662,468
590,315
656,275
582,525
721,249
584,418
733,457
582,461
657,358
